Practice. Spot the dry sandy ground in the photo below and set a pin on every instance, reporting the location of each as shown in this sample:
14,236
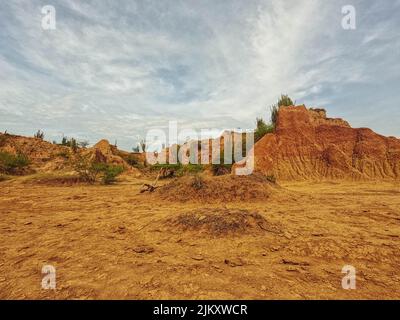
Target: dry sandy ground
111,242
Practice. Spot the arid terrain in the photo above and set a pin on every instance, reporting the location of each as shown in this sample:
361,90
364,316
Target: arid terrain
322,196
113,242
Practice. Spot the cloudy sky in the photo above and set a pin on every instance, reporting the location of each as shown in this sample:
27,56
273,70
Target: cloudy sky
115,69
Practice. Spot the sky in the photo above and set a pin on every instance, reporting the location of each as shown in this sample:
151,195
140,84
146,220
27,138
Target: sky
116,69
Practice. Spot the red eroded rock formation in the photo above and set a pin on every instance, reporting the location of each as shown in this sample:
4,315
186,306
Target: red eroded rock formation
308,145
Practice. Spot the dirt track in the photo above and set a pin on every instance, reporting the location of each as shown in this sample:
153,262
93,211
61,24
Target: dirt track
111,242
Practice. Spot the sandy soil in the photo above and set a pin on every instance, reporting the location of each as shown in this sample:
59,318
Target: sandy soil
112,242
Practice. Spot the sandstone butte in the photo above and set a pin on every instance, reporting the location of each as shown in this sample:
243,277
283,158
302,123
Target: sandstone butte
307,145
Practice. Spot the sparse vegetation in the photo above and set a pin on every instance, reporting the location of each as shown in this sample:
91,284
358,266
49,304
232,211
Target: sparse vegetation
178,170
12,164
285,101
143,145
90,171
110,173
262,129
39,135
72,143
221,169
83,143
136,149
134,161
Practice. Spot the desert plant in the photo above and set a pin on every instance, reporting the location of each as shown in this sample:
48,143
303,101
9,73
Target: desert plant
221,169
39,135
83,143
274,116
72,143
87,170
110,173
262,129
11,164
133,161
285,101
143,145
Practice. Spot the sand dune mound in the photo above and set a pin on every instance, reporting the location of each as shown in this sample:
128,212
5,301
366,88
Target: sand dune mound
220,222
103,152
308,145
222,188
41,154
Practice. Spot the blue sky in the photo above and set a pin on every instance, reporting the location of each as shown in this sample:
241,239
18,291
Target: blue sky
115,69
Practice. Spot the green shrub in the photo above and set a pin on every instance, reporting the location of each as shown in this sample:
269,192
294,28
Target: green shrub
262,129
274,116
110,173
12,164
134,161
72,143
89,171
285,101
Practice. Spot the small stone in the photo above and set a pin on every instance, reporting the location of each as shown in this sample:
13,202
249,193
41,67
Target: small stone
234,263
143,249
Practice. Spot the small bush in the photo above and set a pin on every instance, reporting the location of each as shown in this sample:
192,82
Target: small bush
90,171
87,170
221,169
39,135
72,143
285,101
178,170
110,173
134,161
262,129
12,164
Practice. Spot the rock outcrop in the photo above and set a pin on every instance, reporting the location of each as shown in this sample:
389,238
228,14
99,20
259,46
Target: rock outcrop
308,145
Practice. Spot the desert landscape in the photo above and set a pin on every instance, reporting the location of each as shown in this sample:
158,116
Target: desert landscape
219,153
323,195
